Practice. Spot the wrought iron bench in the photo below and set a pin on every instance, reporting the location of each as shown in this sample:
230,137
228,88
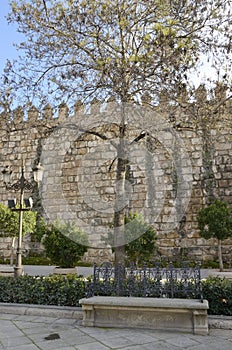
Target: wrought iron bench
147,281
148,297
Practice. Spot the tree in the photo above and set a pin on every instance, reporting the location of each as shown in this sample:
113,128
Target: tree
215,221
9,221
60,242
122,49
140,239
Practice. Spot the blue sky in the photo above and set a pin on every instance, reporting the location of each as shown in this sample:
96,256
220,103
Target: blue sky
8,35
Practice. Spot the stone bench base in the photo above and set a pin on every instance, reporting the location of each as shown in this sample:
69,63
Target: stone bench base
184,315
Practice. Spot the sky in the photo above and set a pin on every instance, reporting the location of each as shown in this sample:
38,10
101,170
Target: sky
8,35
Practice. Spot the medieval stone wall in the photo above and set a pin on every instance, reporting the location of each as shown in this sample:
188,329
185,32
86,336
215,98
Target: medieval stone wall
172,172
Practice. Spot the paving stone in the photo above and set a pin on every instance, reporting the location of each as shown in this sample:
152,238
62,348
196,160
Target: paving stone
38,330
137,347
118,342
51,344
23,347
16,341
213,346
78,340
182,341
27,325
160,346
142,338
92,346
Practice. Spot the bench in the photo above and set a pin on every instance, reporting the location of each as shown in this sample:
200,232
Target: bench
184,315
149,297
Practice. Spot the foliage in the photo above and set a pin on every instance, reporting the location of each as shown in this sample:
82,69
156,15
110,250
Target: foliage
9,221
213,264
141,247
34,258
65,244
121,48
48,290
140,239
218,292
215,221
41,229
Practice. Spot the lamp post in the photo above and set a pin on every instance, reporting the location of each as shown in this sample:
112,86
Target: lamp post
24,204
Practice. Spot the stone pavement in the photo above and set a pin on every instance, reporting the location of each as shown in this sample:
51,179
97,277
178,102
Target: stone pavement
36,329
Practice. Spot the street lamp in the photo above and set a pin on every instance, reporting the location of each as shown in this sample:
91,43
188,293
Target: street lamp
24,204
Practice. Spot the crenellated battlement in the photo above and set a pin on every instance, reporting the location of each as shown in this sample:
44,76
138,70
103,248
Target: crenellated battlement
197,103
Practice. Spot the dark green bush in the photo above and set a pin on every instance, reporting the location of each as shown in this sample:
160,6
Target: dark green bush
48,290
140,240
65,244
218,292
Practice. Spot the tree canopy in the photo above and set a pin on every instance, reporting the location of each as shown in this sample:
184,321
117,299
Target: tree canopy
140,240
215,221
121,48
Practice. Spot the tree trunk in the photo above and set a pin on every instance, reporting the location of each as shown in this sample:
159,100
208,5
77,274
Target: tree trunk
119,213
120,201
220,255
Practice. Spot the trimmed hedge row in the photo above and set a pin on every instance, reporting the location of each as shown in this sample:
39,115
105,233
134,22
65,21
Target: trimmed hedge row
68,290
48,290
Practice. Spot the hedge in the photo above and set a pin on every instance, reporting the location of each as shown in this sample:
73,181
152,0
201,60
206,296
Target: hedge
48,290
218,292
68,290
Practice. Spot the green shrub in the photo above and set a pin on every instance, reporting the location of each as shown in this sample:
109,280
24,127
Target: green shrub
65,244
215,221
218,292
140,240
48,290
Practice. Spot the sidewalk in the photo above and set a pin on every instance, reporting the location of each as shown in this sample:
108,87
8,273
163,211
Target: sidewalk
33,332
30,327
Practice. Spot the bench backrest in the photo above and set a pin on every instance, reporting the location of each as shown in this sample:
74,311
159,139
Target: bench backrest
146,281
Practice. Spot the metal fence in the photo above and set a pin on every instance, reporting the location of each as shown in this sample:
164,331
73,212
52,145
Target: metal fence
146,281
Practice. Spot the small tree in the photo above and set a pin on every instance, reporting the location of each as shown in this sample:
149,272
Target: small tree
215,222
143,247
140,239
61,245
9,221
